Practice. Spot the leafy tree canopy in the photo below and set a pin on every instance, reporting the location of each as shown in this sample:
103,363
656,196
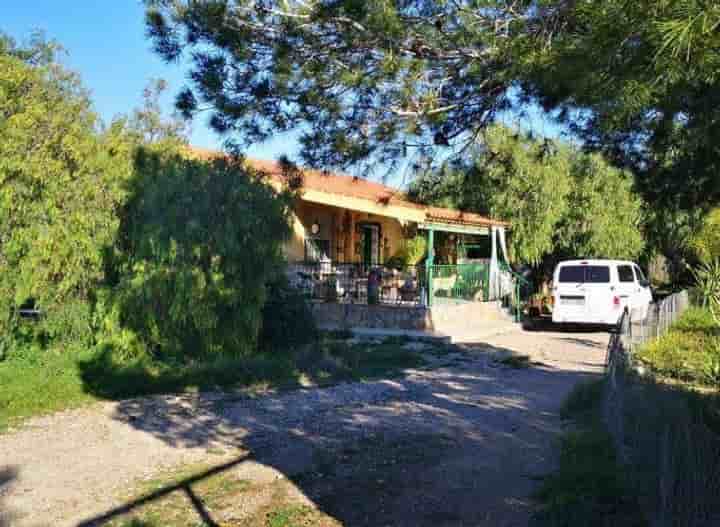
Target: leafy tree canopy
560,202
706,241
60,185
636,79
37,51
359,78
115,236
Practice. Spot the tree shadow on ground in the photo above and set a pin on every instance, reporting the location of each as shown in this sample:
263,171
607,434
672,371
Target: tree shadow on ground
588,343
185,486
7,475
544,324
452,446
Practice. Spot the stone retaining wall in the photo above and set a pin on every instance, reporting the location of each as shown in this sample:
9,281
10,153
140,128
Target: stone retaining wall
443,318
341,316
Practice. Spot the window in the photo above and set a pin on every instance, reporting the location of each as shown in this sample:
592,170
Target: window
639,273
597,274
625,273
317,250
590,274
573,273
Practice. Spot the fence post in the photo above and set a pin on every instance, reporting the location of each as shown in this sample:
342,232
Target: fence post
430,263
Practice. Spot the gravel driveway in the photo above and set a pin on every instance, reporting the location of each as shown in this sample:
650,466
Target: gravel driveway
467,439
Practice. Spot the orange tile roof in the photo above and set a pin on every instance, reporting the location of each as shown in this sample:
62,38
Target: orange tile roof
361,188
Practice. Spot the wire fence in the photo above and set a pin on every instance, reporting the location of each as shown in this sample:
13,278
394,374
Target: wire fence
670,454
660,316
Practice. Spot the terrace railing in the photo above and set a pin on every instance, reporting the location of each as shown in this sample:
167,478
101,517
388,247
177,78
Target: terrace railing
460,283
360,283
397,285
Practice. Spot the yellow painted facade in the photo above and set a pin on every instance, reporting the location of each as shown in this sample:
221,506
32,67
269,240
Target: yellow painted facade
340,230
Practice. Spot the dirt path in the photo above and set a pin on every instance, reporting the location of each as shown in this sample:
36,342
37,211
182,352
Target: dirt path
458,445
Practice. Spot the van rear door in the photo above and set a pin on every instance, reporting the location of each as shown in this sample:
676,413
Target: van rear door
599,294
570,292
583,292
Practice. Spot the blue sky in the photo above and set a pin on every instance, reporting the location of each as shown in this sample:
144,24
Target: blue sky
106,44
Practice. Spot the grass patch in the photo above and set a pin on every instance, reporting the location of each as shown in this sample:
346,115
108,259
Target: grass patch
41,382
515,361
293,516
590,486
222,496
583,403
689,352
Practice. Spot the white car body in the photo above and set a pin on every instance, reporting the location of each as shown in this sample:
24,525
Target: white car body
599,291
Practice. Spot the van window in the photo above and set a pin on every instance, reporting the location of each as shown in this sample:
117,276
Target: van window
640,275
591,274
625,273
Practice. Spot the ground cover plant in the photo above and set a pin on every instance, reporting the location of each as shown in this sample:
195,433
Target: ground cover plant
689,352
590,486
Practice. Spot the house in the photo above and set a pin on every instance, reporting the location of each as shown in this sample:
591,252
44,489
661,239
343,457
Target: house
346,253
345,226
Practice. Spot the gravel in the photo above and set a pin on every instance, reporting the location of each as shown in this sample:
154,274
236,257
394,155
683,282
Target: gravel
495,425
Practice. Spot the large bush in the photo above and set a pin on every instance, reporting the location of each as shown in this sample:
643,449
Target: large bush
198,242
287,321
61,183
706,241
690,351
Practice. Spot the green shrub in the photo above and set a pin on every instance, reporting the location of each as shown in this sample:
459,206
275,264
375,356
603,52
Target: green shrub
287,321
590,485
706,241
584,401
689,352
411,252
199,241
61,184
695,320
707,278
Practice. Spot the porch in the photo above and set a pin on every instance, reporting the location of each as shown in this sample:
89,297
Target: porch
366,256
414,258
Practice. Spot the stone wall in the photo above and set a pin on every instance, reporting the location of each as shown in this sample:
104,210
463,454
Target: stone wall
341,316
449,318
443,318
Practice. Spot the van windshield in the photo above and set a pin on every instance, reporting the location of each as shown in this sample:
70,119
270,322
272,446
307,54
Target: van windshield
591,274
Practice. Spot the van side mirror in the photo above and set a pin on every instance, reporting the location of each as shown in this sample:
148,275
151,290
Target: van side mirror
645,282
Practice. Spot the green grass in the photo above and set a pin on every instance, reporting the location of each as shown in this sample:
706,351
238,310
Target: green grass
589,487
516,361
49,383
291,516
689,352
583,404
225,498
41,382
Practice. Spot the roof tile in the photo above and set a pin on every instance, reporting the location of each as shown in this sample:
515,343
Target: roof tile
362,188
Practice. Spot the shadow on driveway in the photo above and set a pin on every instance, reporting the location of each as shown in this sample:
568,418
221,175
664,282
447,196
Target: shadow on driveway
453,446
7,475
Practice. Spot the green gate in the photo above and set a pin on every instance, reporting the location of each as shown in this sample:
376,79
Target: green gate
459,283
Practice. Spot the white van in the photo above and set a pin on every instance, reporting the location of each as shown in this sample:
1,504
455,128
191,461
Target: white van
599,291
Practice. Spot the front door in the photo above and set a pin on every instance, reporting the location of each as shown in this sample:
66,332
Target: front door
371,245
